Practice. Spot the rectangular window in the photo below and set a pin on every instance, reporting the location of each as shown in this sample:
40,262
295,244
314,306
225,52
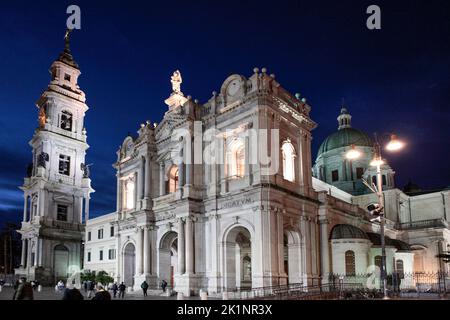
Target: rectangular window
334,175
100,234
64,165
100,255
89,236
384,179
89,257
112,254
61,213
359,173
67,77
111,232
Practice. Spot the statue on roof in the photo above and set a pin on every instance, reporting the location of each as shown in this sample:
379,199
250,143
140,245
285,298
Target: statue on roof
176,82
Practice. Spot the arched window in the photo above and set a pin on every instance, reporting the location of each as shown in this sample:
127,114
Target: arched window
173,179
350,269
378,261
288,152
236,159
129,187
66,121
400,268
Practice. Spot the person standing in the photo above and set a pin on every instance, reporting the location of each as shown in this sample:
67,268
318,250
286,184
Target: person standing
91,288
164,285
144,287
114,289
24,290
122,288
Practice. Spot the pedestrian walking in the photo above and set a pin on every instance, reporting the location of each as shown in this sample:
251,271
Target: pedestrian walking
122,288
24,290
144,287
114,289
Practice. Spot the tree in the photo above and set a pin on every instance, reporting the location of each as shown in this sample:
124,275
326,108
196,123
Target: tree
103,278
88,276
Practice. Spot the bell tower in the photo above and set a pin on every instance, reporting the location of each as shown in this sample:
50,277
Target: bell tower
57,187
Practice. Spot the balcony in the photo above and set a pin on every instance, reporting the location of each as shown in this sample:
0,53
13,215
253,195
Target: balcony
66,133
64,179
67,226
432,223
164,200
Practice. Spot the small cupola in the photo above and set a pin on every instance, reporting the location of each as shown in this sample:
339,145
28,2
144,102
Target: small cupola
344,119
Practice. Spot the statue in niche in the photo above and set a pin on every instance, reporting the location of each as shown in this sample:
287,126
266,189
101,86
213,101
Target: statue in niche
86,170
42,117
176,82
42,159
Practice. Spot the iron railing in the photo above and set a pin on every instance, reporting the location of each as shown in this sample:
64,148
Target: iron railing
432,223
364,286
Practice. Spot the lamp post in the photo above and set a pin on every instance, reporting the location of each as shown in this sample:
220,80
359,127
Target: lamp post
393,145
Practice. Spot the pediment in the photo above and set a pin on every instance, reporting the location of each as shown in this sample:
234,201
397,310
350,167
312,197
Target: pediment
168,124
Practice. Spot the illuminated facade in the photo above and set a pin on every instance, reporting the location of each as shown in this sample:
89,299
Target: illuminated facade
235,223
218,196
57,188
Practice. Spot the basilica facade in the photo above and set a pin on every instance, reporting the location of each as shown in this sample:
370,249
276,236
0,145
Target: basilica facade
221,195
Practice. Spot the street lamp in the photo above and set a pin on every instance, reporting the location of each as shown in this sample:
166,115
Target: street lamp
394,145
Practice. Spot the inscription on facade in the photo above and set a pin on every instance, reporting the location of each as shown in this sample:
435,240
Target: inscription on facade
237,203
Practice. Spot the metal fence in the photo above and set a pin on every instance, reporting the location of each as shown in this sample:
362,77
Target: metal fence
364,286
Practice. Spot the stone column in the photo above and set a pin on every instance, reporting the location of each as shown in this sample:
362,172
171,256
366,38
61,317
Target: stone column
36,252
189,163
308,157
139,251
147,251
181,249
29,262
189,246
86,208
181,175
324,249
118,257
40,253
25,207
247,157
162,181
80,210
140,184
119,195
280,234
148,177
24,251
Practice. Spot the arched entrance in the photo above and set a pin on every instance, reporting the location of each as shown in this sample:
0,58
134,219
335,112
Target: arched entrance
292,256
168,257
61,262
238,259
129,264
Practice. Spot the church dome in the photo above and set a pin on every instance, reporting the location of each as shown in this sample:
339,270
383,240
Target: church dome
346,231
345,136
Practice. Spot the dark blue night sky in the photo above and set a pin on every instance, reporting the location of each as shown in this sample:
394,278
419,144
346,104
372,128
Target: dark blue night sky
128,50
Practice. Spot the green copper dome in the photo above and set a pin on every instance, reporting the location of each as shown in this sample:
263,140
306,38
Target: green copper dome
344,138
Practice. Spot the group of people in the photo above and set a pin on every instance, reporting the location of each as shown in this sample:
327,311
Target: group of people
24,290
